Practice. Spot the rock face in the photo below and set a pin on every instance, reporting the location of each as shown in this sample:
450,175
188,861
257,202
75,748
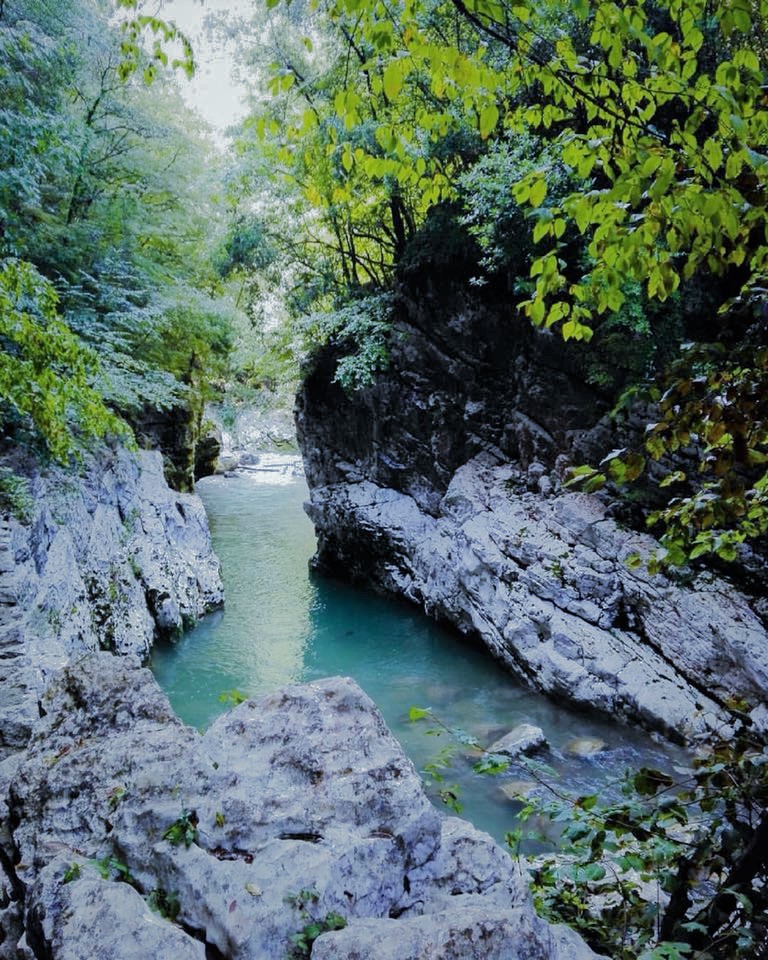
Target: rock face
110,559
462,380
177,432
441,484
207,451
252,431
289,810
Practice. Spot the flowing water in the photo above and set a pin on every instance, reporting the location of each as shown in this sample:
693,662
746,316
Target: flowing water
282,624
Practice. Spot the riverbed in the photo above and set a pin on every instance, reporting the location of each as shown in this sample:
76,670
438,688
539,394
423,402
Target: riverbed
284,624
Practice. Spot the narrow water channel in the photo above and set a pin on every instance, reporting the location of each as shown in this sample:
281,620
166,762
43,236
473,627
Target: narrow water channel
283,624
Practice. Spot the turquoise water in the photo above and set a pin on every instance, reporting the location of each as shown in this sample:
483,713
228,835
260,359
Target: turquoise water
283,624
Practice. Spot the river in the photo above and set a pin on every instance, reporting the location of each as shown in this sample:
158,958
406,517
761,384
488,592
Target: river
283,624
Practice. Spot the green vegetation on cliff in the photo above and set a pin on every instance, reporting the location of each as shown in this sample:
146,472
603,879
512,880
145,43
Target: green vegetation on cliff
109,219
608,157
602,161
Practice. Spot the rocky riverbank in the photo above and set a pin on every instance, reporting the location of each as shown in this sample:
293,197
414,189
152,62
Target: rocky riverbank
543,581
125,834
134,836
442,484
107,558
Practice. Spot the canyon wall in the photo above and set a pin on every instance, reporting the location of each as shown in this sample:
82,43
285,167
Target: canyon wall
442,483
105,558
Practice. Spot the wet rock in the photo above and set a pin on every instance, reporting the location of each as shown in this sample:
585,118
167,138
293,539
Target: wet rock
252,430
453,389
175,431
524,738
518,789
301,804
11,890
227,462
759,717
207,450
584,746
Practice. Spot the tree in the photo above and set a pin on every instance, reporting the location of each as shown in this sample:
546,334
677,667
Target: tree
108,194
659,109
46,372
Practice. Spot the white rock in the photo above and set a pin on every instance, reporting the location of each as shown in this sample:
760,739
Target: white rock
91,917
303,790
524,738
112,557
463,933
584,746
543,582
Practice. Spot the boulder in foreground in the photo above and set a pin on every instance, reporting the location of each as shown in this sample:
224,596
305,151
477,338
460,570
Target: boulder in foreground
298,808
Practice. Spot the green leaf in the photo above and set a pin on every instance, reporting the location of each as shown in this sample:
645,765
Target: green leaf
593,872
648,781
418,713
492,764
489,117
675,476
538,192
394,77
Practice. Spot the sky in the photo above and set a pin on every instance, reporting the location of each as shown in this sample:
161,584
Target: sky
212,92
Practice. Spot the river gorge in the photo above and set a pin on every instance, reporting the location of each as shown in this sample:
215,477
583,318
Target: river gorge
284,624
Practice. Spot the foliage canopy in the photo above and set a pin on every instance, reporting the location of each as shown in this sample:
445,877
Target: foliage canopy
110,300
655,113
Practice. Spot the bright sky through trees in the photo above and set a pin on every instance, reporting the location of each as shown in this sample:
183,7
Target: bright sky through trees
213,91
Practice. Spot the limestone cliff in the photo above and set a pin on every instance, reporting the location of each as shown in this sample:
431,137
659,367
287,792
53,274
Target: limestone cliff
108,558
463,379
188,445
441,483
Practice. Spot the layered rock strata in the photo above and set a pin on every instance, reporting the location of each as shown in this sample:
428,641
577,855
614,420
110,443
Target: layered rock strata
442,484
544,582
109,558
298,808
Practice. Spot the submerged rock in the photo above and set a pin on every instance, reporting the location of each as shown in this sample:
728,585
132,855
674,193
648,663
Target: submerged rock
524,738
110,559
584,746
296,807
517,789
